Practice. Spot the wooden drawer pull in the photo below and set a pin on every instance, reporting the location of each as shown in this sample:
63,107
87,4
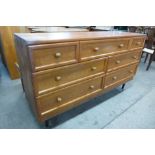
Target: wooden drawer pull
59,99
93,68
92,87
58,55
134,57
118,62
121,45
96,49
138,43
58,78
114,78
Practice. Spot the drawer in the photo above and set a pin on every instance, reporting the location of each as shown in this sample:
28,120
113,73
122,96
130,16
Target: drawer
123,59
53,55
46,81
68,96
137,43
120,74
93,49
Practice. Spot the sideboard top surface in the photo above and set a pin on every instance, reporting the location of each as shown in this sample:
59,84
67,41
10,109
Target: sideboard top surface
45,38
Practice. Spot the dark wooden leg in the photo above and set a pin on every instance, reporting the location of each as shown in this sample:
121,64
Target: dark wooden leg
123,86
150,61
146,57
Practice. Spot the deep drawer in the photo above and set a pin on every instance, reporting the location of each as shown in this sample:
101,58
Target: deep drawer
46,81
66,98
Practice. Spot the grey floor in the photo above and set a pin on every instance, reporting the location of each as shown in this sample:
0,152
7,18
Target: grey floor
132,108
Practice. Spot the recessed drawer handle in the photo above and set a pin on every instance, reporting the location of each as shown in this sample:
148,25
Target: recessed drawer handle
138,43
118,62
58,55
134,57
93,68
92,87
121,45
114,78
59,99
96,49
58,78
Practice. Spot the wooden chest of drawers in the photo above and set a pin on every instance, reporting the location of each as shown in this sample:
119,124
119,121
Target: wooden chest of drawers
62,70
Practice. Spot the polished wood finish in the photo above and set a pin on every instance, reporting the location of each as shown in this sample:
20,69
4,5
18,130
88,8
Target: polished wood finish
94,49
25,71
124,59
45,38
53,102
120,74
63,70
49,80
53,55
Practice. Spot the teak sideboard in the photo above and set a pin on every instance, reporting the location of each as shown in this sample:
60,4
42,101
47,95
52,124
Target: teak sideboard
60,71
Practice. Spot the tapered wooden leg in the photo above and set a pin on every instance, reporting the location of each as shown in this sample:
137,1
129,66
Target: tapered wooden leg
147,54
123,86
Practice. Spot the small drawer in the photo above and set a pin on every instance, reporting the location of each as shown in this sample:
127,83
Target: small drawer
68,96
121,60
120,74
53,55
93,49
49,80
137,43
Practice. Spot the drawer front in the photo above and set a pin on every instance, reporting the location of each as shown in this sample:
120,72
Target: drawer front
53,55
137,43
116,76
67,96
91,49
123,59
62,76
